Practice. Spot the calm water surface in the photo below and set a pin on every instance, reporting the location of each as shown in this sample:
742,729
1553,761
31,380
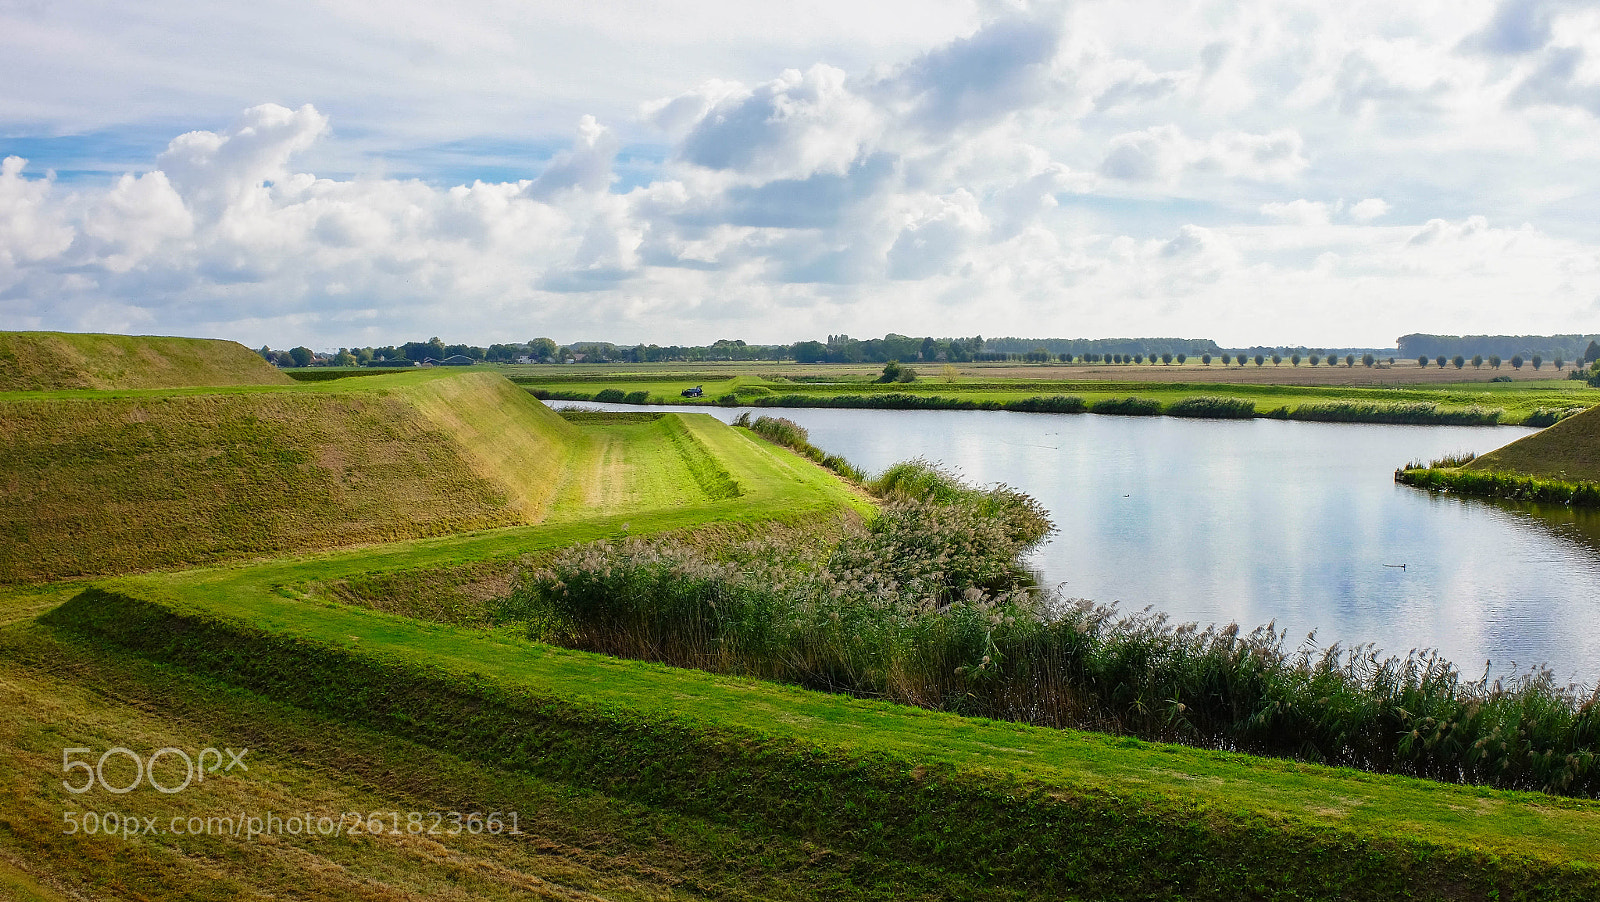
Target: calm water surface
1265,520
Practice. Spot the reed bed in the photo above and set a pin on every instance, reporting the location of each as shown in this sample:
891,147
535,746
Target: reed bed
1493,484
928,604
1422,413
1128,407
1213,407
791,435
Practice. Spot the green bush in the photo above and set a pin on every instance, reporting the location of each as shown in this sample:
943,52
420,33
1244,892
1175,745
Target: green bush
1132,407
637,397
1414,412
610,396
1051,404
1212,407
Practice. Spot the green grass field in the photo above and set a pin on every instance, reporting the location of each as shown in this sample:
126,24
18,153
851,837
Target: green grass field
1517,400
107,482
43,361
630,780
748,754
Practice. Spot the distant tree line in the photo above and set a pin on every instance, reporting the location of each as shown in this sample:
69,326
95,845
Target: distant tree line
1548,347
842,348
1102,348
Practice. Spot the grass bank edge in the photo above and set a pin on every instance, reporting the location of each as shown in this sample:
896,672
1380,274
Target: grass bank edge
1496,484
1214,405
194,627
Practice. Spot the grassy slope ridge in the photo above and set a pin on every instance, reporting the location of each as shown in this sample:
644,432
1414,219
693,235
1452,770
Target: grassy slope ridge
1568,451
115,483
43,361
54,690
1047,811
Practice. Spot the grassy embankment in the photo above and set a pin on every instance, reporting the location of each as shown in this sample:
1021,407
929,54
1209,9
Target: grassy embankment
823,794
1537,403
43,361
970,807
109,482
106,482
1560,465
638,473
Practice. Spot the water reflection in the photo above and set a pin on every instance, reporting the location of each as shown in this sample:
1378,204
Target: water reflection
1264,520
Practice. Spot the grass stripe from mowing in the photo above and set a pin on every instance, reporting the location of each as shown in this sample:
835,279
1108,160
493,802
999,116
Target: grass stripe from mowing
1022,805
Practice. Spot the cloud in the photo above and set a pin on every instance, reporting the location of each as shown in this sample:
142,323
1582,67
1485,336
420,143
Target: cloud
586,167
1024,168
212,170
1563,77
1369,209
1003,67
937,235
1300,212
794,126
1164,154
30,229
1517,26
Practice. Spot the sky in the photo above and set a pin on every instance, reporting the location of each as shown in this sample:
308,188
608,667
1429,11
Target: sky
345,174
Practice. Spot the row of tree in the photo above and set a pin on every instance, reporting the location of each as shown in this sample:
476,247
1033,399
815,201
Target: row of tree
927,349
1550,347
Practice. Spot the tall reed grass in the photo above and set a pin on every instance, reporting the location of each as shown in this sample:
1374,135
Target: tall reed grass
791,435
928,604
1491,484
1212,407
1399,412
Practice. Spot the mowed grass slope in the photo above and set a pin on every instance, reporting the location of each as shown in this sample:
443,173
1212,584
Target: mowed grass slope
574,844
1036,811
44,361
1568,451
113,482
117,483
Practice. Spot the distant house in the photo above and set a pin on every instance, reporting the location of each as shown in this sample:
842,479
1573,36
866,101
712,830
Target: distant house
456,360
695,392
393,363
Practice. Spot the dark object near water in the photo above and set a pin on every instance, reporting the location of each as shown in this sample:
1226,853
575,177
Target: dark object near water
695,392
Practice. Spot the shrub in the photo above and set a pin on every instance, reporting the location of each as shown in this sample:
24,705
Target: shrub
789,434
1417,412
1132,407
1051,404
637,397
1549,416
610,396
728,400
1212,407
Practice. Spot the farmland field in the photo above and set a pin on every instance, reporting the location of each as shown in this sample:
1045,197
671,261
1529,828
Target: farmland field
1365,395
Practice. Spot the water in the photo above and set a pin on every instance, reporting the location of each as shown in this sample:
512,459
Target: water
1264,520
